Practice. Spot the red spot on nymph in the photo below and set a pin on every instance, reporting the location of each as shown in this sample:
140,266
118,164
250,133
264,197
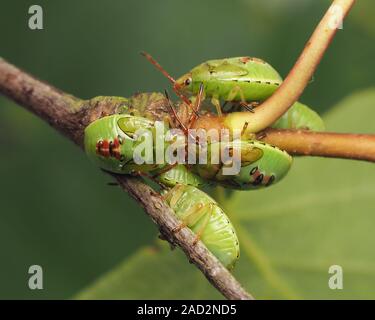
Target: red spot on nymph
115,149
244,60
108,148
102,148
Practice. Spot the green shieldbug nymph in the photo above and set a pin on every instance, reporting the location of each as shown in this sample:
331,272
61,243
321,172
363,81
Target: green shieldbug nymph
261,165
207,220
300,116
110,142
239,79
244,81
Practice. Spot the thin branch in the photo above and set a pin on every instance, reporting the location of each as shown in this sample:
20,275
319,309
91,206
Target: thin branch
198,254
70,116
300,75
30,92
322,144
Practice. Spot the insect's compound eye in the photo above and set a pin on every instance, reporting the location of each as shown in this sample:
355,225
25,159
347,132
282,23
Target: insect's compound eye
187,81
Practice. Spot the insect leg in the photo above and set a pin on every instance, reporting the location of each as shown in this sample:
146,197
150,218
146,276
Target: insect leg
112,184
247,135
164,170
197,104
193,215
216,102
148,176
174,194
249,106
174,113
189,214
244,128
260,135
205,221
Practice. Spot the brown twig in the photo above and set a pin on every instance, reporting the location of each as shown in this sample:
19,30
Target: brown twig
300,75
70,116
322,144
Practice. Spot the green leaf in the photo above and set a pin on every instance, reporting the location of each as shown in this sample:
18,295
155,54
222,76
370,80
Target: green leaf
153,272
321,215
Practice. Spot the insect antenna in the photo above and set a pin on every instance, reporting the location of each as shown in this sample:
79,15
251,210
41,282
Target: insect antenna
158,66
176,87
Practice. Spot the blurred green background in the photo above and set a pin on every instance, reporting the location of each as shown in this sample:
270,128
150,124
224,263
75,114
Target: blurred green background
56,208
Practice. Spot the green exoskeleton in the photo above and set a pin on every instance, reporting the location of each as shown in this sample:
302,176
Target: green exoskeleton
244,81
111,142
300,116
207,220
261,165
241,79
